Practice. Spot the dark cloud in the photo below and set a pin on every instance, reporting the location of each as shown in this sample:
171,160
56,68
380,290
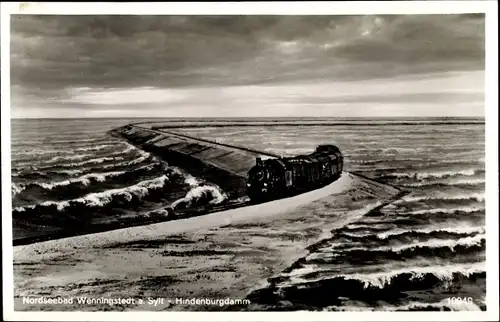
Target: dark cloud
416,39
50,53
407,98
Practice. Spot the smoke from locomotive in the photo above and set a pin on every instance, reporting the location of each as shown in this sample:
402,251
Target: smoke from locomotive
277,178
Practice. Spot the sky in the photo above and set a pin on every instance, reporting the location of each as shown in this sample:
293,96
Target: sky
247,66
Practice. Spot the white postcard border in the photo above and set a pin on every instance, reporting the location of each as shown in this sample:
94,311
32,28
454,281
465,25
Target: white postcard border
265,8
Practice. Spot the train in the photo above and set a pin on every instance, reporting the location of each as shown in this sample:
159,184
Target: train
287,176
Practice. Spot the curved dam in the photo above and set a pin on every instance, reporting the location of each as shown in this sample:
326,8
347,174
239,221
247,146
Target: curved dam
230,252
222,164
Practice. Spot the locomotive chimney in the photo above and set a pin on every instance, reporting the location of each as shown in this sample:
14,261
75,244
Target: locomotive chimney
258,161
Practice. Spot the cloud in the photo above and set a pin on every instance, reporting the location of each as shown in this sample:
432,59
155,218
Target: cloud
136,59
445,92
130,96
180,51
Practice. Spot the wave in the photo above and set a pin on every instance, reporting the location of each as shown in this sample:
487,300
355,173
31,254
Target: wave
67,165
418,149
192,181
96,148
433,175
89,140
51,171
422,221
84,180
394,281
419,167
472,216
442,273
144,156
194,195
69,172
375,157
34,152
54,159
377,161
69,158
22,142
431,232
413,161
469,241
15,189
53,163
58,154
59,171
376,145
392,150
434,205
474,196
306,288
48,171
93,161
83,156
427,233
362,253
464,210
464,182
28,163
200,193
382,226
100,199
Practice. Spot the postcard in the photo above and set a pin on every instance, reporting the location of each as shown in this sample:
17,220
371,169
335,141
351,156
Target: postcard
287,161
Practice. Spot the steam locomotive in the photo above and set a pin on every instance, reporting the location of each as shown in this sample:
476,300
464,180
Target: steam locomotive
281,177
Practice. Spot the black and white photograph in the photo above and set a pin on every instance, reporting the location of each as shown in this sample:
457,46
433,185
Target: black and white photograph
237,163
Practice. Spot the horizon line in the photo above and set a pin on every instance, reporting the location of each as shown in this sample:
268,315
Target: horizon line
251,117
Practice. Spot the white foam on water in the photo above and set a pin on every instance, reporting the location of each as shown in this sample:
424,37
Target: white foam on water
198,190
99,199
457,230
479,197
97,147
435,174
458,182
382,279
85,179
442,211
